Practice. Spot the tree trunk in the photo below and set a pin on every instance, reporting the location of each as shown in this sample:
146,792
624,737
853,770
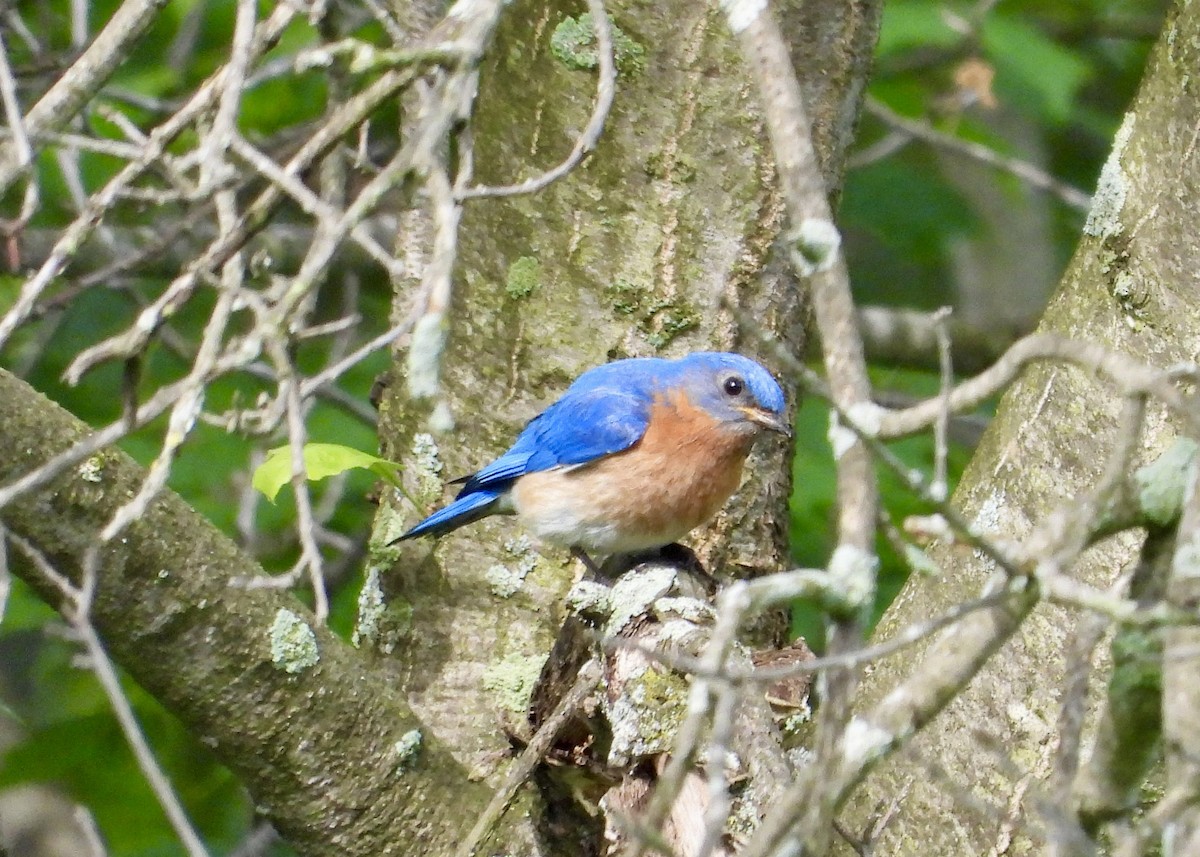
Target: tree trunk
636,252
632,254
973,779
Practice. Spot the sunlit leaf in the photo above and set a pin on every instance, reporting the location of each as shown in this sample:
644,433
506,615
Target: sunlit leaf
321,460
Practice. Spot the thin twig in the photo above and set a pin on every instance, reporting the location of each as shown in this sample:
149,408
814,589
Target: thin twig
21,146
313,204
77,232
940,486
84,78
533,754
213,147
79,600
605,92
817,257
1129,375
1029,173
732,605
184,413
905,637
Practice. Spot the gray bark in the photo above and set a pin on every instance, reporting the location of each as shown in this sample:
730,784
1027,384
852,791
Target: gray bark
633,254
1132,285
316,747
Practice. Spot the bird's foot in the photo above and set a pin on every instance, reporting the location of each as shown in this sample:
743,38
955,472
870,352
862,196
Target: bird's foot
588,563
675,554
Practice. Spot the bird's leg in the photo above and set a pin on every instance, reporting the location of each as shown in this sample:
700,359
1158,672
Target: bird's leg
679,556
588,563
617,564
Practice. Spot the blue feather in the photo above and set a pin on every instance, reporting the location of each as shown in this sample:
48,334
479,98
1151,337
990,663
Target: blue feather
589,422
462,511
606,411
502,471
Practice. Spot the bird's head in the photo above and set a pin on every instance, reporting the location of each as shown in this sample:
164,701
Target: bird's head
735,390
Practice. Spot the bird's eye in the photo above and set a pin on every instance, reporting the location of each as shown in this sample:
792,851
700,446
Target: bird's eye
733,385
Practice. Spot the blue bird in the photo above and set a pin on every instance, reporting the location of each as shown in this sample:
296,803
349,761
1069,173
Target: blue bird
633,456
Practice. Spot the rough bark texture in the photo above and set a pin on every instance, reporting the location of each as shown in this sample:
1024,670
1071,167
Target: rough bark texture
632,254
317,747
832,44
1132,285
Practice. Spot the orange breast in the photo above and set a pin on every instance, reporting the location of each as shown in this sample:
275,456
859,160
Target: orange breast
673,480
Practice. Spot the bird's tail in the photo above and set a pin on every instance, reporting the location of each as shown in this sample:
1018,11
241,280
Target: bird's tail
464,510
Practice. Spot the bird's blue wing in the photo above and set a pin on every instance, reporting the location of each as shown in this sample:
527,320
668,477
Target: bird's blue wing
503,470
578,428
584,425
462,511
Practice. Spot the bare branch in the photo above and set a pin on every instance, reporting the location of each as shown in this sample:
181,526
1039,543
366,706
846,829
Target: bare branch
1029,173
533,755
1129,376
816,256
84,78
79,600
1180,691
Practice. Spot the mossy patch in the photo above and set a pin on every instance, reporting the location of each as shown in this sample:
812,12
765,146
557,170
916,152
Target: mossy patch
574,44
92,469
524,277
381,623
506,580
425,465
383,549
1161,484
674,318
512,680
647,714
406,749
626,297
662,320
678,167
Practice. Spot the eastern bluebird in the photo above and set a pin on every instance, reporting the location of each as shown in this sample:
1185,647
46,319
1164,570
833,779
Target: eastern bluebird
634,455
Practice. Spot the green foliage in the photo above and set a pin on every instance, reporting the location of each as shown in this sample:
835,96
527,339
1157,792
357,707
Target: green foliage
1063,72
1064,67
64,733
71,740
321,460
914,25
903,210
814,529
1033,72
904,218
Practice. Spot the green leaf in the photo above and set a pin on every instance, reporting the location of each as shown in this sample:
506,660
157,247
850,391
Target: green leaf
914,24
320,460
1032,71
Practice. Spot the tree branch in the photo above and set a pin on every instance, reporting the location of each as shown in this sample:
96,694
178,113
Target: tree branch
317,745
81,81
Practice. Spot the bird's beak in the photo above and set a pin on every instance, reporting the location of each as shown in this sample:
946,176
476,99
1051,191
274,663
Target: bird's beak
767,419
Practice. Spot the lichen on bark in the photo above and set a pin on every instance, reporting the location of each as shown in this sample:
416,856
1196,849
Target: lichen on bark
1047,444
